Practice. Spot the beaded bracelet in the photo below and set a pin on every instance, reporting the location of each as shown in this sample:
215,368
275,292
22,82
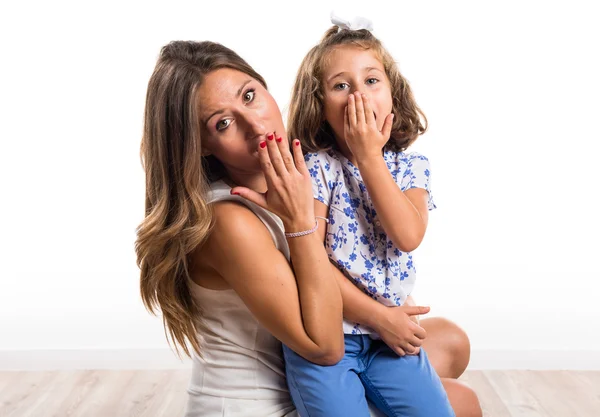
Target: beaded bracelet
309,231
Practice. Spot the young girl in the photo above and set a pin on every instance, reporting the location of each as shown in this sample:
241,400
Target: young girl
355,112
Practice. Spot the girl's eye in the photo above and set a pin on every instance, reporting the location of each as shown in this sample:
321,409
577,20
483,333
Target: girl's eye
223,124
249,95
340,86
372,81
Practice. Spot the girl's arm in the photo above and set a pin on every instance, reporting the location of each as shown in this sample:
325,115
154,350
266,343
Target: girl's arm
403,215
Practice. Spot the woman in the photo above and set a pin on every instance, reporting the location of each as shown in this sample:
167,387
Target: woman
213,262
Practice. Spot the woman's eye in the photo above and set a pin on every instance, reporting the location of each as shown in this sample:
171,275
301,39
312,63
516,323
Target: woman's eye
223,124
372,81
340,86
249,96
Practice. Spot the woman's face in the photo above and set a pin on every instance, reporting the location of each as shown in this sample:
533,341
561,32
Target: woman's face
236,113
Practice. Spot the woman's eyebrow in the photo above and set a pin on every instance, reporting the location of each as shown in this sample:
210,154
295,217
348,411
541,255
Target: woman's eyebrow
241,89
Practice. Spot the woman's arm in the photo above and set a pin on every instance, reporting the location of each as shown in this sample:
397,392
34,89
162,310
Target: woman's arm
304,312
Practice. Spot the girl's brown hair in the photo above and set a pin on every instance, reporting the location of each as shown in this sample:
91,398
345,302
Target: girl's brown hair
305,120
178,218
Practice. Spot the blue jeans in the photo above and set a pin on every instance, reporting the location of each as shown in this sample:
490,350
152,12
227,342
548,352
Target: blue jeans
404,386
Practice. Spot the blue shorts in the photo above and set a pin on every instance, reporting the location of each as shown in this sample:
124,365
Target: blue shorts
406,386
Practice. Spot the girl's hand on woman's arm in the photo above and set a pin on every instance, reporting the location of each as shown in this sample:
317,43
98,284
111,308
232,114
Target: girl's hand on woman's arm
397,328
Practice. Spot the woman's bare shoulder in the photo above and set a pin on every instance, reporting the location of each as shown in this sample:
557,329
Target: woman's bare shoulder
235,228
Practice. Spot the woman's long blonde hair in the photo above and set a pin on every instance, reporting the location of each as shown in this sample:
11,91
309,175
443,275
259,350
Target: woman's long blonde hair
305,119
178,218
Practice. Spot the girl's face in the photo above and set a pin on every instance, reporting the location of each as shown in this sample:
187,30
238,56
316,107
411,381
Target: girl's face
236,113
348,69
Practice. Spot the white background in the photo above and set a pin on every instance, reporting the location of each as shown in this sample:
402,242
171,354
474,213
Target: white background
511,90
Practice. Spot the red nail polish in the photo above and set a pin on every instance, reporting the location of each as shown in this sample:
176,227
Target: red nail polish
270,137
263,144
297,143
234,193
279,139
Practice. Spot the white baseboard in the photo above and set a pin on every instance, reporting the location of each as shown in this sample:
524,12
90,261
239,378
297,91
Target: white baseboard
580,360
77,359
121,359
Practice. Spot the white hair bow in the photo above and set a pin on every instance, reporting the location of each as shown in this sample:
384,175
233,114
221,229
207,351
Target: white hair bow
357,23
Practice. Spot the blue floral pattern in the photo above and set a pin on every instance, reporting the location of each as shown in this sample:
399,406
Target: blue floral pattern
355,240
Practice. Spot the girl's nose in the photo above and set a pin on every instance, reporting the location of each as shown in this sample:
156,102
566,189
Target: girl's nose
360,90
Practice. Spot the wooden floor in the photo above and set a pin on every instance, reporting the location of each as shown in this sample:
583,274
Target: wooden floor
162,393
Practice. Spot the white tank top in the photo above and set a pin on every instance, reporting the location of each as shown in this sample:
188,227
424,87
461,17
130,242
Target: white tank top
241,359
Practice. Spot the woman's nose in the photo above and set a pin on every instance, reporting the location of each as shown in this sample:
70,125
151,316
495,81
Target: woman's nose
255,125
